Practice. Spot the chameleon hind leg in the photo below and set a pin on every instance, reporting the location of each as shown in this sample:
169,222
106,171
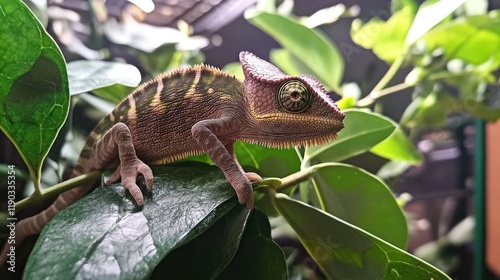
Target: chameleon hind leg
119,140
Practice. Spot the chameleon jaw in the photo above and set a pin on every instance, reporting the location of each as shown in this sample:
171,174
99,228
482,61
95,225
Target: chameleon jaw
284,144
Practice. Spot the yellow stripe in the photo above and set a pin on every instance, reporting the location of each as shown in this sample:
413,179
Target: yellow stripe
192,90
156,102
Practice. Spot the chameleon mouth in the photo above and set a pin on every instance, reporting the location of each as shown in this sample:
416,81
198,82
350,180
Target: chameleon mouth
287,144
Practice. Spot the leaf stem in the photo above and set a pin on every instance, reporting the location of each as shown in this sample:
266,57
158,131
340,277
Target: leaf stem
319,193
58,189
375,94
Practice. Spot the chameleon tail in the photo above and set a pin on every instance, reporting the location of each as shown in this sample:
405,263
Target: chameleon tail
33,225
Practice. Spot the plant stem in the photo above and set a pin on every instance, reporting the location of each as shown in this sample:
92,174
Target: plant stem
319,193
391,72
370,98
375,94
58,189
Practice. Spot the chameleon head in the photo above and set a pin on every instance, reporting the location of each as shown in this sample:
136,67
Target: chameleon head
287,111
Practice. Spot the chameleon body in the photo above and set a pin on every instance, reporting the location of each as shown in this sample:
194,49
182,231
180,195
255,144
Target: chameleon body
200,110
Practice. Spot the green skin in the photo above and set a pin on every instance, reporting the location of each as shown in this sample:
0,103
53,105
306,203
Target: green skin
200,110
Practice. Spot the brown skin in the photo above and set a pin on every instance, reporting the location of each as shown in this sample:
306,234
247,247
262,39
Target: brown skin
200,110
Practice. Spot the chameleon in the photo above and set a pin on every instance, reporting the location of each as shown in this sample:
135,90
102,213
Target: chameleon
195,110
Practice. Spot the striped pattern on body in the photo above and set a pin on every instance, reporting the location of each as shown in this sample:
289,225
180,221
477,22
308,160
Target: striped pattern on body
154,102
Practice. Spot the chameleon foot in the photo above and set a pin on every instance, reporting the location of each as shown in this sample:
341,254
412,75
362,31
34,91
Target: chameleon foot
128,172
244,192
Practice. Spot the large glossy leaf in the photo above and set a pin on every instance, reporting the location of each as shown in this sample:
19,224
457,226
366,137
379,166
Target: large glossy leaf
258,256
34,95
474,39
360,198
325,62
362,131
105,235
208,254
344,251
87,75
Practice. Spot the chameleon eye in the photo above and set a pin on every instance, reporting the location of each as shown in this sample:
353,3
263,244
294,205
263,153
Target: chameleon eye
294,96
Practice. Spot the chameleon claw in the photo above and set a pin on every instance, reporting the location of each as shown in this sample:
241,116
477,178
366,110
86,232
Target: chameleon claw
145,170
253,176
113,178
244,192
128,173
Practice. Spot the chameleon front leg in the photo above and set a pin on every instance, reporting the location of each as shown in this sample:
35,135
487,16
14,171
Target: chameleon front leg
208,134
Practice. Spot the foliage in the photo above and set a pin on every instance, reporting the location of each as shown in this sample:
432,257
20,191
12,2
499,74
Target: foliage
345,217
34,95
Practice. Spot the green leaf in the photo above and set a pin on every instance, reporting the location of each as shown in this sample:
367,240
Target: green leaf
392,169
429,15
398,147
474,39
88,75
362,131
344,251
360,198
428,111
107,236
325,62
209,253
34,94
258,256
113,93
432,110
269,162
385,38
285,61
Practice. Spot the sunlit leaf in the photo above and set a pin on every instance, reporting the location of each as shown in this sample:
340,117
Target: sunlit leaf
430,14
474,39
385,38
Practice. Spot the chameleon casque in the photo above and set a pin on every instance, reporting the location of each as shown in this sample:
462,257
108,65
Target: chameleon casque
197,110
